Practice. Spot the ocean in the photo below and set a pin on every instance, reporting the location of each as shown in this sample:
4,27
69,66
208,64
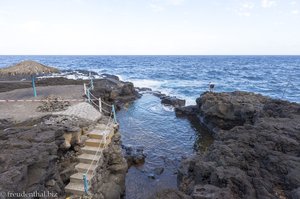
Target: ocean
188,76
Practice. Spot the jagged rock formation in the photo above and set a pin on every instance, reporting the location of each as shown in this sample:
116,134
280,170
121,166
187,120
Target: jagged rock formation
173,101
34,156
255,153
115,91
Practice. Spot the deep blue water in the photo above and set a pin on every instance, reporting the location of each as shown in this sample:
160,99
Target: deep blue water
188,76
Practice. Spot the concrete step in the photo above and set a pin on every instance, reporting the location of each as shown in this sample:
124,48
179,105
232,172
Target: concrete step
100,134
75,188
95,143
82,168
88,158
78,177
103,126
91,150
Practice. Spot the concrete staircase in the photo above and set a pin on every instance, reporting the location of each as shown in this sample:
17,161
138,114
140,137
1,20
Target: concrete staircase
96,137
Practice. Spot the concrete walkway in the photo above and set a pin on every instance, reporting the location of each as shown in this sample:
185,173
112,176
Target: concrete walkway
83,110
21,111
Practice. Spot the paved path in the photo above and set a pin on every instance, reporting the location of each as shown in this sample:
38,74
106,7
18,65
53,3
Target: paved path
21,111
65,91
83,110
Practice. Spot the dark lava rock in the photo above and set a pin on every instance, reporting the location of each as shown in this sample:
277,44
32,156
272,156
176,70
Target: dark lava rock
159,94
105,75
111,175
31,157
255,153
210,191
151,176
114,91
186,111
170,194
173,101
159,170
134,155
143,89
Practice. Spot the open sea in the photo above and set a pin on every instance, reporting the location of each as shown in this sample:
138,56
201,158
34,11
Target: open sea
147,123
188,76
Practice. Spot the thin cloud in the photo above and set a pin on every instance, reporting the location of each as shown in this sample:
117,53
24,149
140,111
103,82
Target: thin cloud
160,5
157,8
245,9
293,3
175,2
268,3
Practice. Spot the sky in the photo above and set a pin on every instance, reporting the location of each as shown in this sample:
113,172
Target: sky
149,27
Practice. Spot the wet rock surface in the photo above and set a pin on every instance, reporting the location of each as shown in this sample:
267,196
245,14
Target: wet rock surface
255,153
170,194
168,100
173,101
134,155
186,111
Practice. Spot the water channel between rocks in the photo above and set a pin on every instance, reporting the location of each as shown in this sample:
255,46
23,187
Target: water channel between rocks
166,140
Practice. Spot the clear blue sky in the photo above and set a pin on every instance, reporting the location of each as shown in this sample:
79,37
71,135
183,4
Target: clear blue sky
113,27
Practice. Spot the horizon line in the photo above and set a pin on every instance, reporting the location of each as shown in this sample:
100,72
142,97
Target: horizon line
150,55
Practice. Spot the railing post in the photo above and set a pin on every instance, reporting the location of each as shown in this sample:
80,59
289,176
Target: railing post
100,105
92,84
114,113
84,87
89,95
33,86
85,182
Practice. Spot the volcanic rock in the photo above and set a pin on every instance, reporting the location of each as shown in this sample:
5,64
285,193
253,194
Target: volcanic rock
173,101
255,153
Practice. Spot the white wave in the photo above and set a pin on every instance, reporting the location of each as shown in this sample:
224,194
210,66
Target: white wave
147,83
120,77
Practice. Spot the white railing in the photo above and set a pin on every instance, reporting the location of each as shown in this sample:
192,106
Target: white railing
92,99
96,159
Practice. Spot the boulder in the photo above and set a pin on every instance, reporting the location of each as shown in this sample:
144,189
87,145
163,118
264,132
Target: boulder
105,75
186,111
173,101
134,155
113,91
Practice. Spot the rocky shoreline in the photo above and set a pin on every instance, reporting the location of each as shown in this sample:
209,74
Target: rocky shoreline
40,154
255,153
